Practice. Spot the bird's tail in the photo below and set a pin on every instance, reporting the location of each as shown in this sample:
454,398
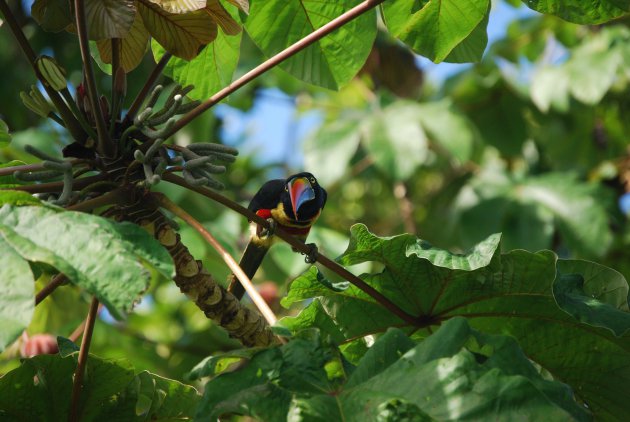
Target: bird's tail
250,261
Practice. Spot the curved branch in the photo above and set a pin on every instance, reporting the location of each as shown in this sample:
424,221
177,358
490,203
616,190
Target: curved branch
301,247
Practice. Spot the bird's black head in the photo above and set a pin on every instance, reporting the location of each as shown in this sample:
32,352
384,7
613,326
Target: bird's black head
303,198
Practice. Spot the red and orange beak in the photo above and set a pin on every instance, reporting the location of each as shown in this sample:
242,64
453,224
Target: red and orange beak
300,191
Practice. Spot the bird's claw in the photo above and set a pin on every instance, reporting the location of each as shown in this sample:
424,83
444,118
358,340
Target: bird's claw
266,232
312,254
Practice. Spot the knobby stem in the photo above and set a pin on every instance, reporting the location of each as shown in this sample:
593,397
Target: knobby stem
260,303
105,145
275,60
74,415
301,247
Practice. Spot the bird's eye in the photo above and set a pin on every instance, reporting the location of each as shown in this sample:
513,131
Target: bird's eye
312,179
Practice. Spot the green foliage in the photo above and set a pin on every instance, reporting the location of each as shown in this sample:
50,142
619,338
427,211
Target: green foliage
458,373
113,261
507,293
331,62
40,389
580,12
435,28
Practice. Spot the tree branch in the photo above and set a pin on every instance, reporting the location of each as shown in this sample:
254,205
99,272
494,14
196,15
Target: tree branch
301,247
55,282
105,145
73,415
260,303
275,60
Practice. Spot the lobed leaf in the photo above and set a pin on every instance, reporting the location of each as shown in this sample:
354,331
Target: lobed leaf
581,12
112,261
511,293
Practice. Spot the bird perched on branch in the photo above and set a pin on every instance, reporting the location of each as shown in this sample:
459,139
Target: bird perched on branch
294,205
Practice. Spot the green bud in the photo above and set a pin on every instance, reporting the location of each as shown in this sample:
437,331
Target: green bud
54,75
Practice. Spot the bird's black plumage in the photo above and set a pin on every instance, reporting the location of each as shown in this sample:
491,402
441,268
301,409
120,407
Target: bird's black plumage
294,204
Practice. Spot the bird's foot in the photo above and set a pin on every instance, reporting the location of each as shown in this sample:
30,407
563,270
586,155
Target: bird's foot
312,254
266,232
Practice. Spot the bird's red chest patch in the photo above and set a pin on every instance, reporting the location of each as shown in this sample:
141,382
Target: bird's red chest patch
264,213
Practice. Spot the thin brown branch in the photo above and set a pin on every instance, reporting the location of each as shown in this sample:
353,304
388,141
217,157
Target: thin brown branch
301,247
77,383
70,121
4,171
57,186
109,198
260,303
104,145
275,60
55,282
148,85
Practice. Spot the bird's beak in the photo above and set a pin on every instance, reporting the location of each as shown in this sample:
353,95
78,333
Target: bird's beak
300,191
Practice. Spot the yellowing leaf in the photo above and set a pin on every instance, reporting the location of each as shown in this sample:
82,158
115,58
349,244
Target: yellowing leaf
132,48
183,35
222,17
241,4
180,6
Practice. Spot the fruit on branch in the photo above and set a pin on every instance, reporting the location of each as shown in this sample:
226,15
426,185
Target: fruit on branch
38,344
294,204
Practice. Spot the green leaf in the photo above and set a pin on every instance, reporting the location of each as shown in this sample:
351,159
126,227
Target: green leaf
511,295
183,35
133,46
9,181
471,49
112,261
216,364
550,88
210,71
109,18
52,15
332,61
479,257
448,128
578,11
434,28
339,139
17,302
66,346
395,140
5,136
18,198
40,389
593,294
456,374
581,217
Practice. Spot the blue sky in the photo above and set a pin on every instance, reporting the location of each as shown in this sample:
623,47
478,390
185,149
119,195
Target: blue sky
273,130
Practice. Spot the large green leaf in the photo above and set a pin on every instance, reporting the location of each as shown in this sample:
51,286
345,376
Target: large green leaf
456,374
112,261
331,62
210,71
183,35
434,28
109,18
40,389
5,136
395,139
579,11
508,294
17,300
